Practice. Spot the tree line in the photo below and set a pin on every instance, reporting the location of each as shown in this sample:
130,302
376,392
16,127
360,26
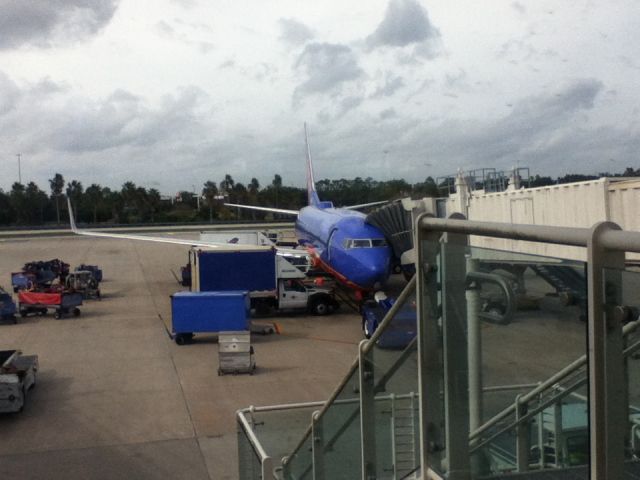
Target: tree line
132,204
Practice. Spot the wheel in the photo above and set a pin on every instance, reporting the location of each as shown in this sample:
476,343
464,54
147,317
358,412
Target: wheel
367,331
183,338
320,307
23,312
76,312
57,315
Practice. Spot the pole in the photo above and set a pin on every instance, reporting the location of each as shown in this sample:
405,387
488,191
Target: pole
19,155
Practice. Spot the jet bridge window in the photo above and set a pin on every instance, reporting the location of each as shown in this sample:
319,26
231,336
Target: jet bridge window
364,242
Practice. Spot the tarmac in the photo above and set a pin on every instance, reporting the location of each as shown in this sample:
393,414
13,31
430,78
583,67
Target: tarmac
117,398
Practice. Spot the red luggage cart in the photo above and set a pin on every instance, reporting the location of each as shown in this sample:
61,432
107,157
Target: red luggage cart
39,302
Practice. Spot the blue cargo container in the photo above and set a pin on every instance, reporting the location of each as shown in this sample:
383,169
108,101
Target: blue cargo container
208,312
250,270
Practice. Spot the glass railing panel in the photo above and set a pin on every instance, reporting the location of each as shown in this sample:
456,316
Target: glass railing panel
300,464
395,383
249,462
280,431
623,292
522,317
339,441
535,336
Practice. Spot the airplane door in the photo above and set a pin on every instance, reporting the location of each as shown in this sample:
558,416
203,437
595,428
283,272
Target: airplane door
329,244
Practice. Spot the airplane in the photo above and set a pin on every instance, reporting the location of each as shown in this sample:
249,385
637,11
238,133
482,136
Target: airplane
339,239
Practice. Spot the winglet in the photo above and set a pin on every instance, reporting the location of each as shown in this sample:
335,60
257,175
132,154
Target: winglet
72,220
311,184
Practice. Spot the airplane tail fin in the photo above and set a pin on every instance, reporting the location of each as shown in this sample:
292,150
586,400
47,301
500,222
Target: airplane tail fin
311,184
72,219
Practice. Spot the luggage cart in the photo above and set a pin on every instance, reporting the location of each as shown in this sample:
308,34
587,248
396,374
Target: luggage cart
7,307
38,303
235,353
83,282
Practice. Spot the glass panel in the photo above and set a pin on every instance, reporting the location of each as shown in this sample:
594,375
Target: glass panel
279,431
250,466
300,466
525,341
341,442
511,324
623,288
394,364
396,411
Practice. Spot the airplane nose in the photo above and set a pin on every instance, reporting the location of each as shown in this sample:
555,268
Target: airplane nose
373,272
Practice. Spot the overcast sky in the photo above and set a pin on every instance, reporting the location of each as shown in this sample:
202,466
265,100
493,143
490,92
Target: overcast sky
171,93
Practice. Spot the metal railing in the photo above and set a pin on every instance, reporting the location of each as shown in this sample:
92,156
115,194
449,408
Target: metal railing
605,244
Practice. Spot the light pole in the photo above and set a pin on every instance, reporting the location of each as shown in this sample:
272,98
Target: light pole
19,155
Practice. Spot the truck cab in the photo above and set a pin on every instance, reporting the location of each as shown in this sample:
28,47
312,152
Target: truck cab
295,294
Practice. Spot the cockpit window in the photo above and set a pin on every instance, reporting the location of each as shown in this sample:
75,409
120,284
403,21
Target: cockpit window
364,242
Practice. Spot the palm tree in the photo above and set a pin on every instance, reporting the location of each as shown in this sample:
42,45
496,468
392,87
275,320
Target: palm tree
277,184
95,197
210,192
153,201
57,185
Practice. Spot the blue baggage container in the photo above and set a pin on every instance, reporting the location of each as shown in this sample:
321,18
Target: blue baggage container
7,306
208,312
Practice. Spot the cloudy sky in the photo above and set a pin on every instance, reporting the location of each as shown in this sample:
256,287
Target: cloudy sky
171,93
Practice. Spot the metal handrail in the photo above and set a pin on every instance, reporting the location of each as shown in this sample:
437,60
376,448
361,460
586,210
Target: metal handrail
529,396
617,240
408,290
548,383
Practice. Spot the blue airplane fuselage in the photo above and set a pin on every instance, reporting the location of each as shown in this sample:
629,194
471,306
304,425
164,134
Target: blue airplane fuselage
345,245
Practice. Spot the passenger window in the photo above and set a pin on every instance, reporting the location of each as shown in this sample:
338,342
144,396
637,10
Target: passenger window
379,242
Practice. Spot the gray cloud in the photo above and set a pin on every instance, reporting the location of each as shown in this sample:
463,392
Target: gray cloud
518,7
406,22
326,67
550,132
9,94
388,113
40,23
294,32
391,85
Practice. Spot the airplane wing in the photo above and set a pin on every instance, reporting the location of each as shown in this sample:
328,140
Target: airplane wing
149,238
265,209
363,205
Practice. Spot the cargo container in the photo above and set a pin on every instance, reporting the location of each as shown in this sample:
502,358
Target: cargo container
208,312
17,377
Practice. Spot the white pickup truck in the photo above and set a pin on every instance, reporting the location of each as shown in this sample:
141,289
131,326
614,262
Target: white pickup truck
17,377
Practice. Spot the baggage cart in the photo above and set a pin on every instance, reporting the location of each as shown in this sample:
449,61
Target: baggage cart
235,353
38,303
83,282
17,377
7,307
94,269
